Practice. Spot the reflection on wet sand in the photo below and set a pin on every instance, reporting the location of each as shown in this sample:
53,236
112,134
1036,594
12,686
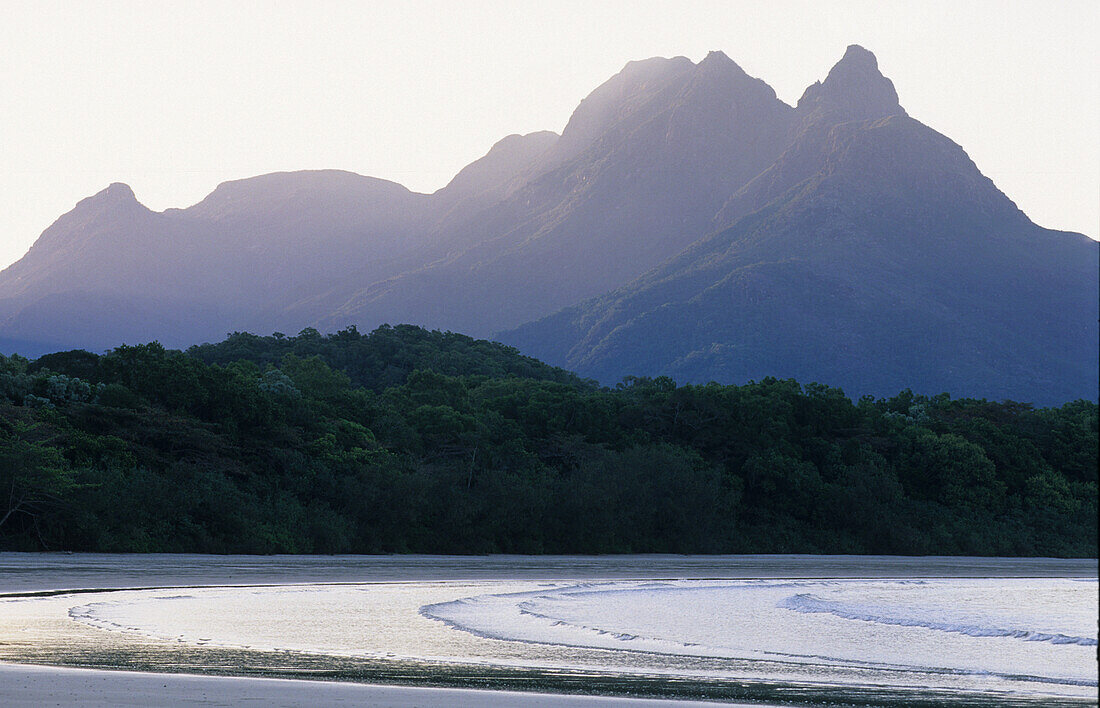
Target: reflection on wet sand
394,643
381,634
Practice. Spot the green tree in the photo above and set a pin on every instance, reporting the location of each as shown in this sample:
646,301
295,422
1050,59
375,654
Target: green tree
33,476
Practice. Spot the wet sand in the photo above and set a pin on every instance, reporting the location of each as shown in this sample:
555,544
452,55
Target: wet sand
34,572
39,589
35,686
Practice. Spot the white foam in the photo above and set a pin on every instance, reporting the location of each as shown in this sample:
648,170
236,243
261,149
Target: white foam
805,602
752,620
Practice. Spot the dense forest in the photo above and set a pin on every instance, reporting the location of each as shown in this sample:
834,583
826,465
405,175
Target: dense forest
405,440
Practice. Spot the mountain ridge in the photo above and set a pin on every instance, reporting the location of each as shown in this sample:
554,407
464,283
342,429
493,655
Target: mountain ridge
610,187
898,277
685,222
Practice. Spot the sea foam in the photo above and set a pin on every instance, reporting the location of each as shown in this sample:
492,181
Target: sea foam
811,604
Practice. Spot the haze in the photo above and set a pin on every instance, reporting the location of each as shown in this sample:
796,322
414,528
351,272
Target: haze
175,99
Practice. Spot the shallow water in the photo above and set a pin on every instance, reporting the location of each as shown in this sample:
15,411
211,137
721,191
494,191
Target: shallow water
28,572
977,630
1037,630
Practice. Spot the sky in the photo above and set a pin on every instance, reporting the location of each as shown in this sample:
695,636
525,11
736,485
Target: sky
173,98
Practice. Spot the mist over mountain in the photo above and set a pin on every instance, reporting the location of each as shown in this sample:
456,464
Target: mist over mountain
686,223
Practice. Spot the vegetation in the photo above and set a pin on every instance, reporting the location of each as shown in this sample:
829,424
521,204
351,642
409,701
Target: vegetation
406,440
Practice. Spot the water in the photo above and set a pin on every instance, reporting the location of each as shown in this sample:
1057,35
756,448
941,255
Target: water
1024,630
1020,630
28,572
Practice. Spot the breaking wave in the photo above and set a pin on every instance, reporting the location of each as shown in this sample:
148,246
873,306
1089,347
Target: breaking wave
811,604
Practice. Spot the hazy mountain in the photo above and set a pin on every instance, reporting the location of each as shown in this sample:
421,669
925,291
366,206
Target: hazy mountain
639,172
485,182
872,255
689,222
113,271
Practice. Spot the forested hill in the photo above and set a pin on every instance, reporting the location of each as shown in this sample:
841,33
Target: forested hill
406,440
386,356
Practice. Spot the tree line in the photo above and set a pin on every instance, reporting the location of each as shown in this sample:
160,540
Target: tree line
408,440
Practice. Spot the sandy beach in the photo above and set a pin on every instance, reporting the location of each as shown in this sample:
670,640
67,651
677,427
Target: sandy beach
36,686
91,630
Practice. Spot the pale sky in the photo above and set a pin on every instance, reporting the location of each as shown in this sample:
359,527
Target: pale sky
174,97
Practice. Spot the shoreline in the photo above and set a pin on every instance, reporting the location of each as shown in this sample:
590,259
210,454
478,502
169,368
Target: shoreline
22,684
40,637
27,685
63,572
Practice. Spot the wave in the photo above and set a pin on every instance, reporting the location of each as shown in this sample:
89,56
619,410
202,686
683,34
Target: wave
811,604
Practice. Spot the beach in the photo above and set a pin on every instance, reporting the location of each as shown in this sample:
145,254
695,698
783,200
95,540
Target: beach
390,630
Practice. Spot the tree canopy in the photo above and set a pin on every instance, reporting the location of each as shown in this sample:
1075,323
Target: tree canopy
407,440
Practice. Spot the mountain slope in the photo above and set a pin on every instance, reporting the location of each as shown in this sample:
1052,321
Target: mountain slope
894,263
111,270
639,173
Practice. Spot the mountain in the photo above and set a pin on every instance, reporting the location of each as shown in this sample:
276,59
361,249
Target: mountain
113,271
538,223
686,222
872,255
639,173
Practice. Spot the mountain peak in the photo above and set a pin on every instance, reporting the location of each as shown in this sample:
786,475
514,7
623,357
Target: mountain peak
517,141
117,192
855,89
621,95
114,199
506,161
717,64
716,57
857,56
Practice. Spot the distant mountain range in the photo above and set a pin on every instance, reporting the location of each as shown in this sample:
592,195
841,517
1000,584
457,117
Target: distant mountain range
685,223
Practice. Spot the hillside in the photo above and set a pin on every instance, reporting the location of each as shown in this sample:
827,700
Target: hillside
918,273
